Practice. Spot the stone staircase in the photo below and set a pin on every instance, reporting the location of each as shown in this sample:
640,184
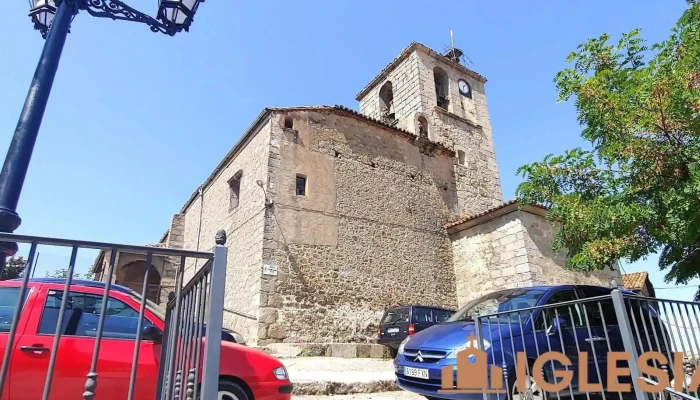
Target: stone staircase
338,376
339,350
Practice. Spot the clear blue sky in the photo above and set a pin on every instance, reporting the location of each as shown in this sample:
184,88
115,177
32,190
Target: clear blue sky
137,120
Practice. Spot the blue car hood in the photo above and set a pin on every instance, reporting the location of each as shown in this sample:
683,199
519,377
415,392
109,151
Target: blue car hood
448,335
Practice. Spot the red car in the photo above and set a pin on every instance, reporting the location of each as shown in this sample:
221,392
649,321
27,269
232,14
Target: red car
245,373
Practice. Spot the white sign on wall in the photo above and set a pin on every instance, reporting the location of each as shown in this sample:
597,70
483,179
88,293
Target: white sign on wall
269,269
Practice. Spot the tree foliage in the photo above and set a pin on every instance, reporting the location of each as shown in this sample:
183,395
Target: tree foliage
637,190
61,273
14,268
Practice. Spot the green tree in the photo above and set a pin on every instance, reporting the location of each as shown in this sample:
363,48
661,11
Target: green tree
14,268
90,274
61,273
637,190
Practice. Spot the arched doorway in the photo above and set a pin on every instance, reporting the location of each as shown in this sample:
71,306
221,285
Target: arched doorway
132,275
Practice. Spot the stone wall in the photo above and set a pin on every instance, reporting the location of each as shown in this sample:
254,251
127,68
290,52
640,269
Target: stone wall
176,234
512,250
547,267
406,89
367,235
464,126
162,282
243,224
490,256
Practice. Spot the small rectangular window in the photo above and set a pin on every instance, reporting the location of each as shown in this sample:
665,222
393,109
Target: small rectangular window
235,190
301,185
461,157
288,122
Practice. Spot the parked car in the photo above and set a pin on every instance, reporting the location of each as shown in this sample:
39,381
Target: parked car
576,326
398,323
245,373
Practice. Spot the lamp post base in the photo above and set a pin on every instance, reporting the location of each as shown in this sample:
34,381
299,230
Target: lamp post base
14,169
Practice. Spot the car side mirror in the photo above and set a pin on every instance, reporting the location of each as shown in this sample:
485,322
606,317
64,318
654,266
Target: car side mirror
557,325
152,334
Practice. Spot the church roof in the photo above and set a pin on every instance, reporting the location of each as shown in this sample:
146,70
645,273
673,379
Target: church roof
336,109
493,212
404,54
100,255
635,280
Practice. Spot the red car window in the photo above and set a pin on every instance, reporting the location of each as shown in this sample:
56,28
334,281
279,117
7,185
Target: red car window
83,313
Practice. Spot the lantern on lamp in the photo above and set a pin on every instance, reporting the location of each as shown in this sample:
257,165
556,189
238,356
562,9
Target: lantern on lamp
177,13
42,13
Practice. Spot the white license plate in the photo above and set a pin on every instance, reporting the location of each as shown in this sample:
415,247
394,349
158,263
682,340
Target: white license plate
416,372
392,330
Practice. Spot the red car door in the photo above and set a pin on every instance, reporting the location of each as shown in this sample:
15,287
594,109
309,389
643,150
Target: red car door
9,293
77,345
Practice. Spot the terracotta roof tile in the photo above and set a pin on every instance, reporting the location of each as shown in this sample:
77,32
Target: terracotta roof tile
467,218
402,132
405,53
340,109
635,280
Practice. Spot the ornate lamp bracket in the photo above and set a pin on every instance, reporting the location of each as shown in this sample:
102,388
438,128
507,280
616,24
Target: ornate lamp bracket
115,9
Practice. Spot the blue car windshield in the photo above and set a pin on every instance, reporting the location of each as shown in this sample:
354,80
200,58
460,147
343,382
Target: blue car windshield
500,301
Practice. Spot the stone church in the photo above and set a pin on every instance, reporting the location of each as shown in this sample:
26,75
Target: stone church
333,214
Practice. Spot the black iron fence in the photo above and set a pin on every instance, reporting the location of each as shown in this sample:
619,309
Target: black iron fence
121,344
674,329
188,322
614,346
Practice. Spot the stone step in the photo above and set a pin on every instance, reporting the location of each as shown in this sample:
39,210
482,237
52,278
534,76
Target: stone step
336,376
340,350
329,388
394,395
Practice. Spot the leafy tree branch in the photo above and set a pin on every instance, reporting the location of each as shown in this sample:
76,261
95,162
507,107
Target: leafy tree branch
637,190
14,268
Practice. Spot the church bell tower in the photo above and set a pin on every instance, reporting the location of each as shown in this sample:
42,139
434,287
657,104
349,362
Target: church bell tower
434,96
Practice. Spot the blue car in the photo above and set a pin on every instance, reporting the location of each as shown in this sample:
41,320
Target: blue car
525,320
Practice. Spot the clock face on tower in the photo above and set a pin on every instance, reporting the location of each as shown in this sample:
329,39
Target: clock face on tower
464,88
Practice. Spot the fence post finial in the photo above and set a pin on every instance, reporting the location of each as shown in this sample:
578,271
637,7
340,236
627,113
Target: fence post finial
220,237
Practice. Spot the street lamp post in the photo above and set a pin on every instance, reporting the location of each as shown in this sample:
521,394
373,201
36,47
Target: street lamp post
53,18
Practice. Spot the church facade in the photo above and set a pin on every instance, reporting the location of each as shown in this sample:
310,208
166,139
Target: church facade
333,215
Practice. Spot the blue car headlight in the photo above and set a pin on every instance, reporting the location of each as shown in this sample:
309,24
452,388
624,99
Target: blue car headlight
468,345
403,344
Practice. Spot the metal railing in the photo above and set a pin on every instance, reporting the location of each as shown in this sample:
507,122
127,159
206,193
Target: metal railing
607,342
184,353
672,326
49,325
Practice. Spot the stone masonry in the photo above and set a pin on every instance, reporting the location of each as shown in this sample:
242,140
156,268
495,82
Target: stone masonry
464,125
510,247
367,234
333,215
210,210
